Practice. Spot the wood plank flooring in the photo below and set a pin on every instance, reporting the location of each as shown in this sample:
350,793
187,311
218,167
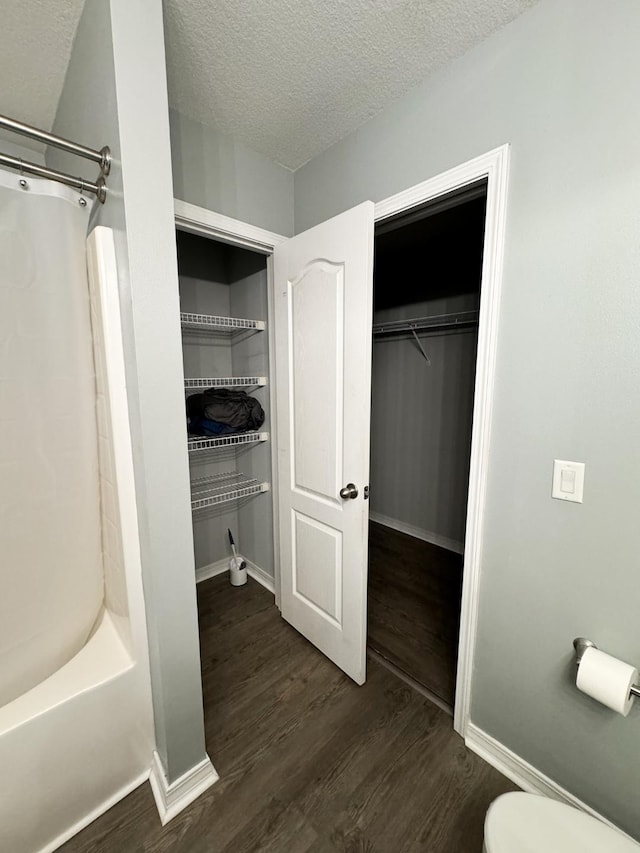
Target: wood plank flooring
414,607
308,761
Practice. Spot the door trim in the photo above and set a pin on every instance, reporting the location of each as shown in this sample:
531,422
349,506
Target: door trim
216,226
494,167
201,220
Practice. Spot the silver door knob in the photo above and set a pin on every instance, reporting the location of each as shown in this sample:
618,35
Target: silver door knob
348,492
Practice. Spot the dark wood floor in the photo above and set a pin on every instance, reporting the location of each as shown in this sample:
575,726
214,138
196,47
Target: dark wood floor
414,607
308,761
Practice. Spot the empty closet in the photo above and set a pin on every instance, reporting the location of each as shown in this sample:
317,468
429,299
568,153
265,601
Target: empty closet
225,336
427,275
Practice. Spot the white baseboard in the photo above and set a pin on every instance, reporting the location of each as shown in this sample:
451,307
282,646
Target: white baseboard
222,566
95,814
418,533
213,569
524,774
261,576
172,798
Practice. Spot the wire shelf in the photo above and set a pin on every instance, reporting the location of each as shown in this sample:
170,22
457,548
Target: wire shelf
225,382
221,488
196,445
211,323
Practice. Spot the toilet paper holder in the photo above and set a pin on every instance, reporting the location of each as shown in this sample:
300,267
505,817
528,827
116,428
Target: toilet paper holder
580,644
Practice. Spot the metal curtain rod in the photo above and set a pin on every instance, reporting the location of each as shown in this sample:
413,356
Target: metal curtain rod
25,166
103,157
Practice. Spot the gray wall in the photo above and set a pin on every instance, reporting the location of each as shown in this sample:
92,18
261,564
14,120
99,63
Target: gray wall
560,85
115,93
88,113
248,275
421,424
18,146
214,171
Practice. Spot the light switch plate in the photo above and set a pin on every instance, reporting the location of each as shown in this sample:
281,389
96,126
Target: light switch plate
568,480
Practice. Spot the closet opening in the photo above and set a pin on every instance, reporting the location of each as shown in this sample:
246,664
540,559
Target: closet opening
427,276
225,337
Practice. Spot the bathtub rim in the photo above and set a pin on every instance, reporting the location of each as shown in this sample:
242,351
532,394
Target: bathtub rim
102,658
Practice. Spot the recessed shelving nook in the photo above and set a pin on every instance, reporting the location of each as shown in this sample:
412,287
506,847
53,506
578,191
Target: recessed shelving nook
225,335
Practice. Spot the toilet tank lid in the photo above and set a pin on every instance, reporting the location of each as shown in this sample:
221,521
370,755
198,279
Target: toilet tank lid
528,822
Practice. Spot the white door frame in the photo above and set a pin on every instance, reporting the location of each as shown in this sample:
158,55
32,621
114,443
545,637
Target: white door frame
216,226
494,168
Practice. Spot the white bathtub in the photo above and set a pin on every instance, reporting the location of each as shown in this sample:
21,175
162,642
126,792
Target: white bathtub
67,745
81,739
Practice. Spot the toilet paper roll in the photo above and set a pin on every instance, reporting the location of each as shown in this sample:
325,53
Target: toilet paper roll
607,679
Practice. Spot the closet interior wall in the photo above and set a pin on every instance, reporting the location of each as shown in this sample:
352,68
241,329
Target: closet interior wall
223,280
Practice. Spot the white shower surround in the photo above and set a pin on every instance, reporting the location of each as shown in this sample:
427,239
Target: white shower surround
82,738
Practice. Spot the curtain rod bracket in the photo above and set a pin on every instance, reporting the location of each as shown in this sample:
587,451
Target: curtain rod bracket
101,191
105,162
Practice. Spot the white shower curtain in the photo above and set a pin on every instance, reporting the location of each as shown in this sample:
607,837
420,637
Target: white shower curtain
51,583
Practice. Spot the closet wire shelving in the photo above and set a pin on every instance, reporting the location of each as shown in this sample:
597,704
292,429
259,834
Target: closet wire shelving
212,324
229,486
221,488
203,443
225,382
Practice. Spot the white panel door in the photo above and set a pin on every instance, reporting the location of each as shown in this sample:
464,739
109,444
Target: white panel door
323,281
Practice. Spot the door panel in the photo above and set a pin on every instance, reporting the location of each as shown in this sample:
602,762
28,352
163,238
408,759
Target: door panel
316,318
317,566
323,313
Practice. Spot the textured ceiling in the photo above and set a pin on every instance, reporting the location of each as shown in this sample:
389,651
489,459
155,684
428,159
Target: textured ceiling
286,77
35,45
291,77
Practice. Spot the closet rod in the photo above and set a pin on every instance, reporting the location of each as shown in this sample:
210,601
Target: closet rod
416,324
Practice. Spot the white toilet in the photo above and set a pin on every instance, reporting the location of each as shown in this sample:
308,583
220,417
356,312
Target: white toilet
527,823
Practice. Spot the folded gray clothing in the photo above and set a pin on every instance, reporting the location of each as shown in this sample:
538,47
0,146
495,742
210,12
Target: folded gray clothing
228,406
